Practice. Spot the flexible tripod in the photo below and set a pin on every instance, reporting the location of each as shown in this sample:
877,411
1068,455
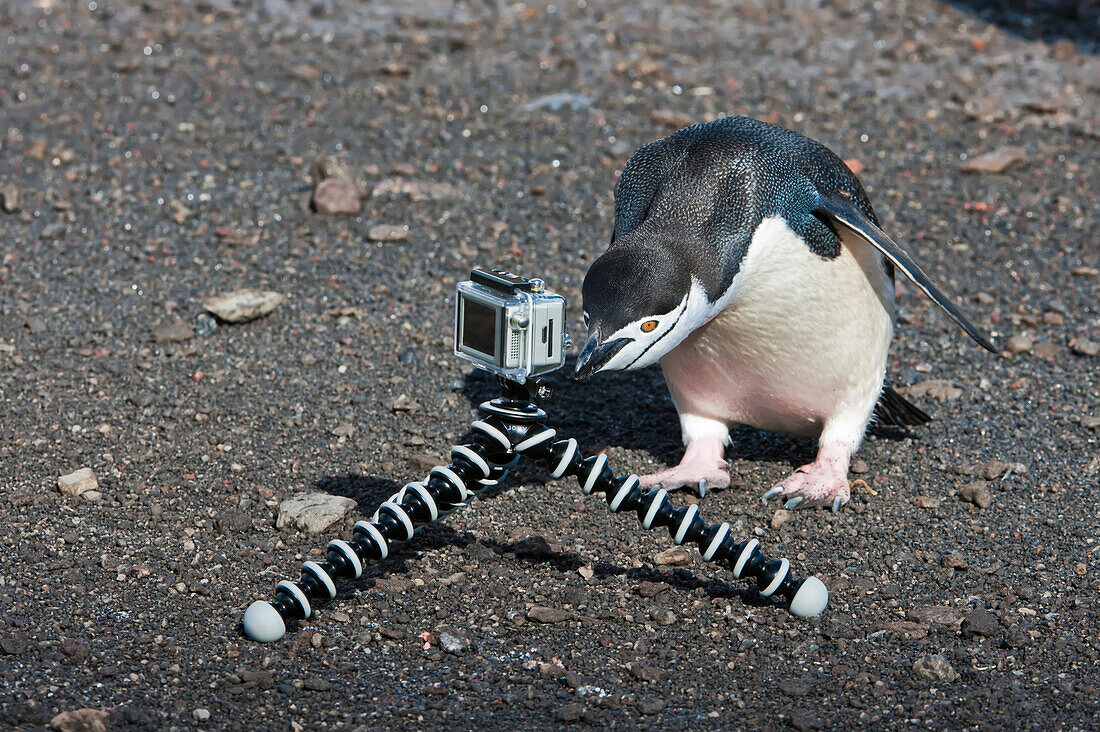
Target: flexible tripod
513,427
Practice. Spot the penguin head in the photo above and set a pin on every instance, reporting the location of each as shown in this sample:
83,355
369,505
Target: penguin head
640,302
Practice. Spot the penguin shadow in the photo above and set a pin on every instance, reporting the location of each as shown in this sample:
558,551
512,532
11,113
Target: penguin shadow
370,491
633,410
625,409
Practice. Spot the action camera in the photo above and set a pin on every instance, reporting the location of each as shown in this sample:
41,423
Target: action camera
510,325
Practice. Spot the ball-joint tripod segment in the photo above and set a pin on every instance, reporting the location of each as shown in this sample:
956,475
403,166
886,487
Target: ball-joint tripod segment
513,427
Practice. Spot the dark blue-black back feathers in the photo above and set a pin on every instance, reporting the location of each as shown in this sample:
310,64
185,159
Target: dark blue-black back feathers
704,190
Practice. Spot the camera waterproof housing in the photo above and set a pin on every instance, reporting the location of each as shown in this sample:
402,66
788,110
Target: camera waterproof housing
509,325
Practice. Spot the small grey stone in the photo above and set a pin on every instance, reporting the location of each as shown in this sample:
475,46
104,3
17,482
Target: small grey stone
416,190
259,679
993,162
313,512
336,196
977,493
54,231
906,629
926,502
676,556
78,482
453,642
82,720
13,645
201,715
555,102
935,669
642,672
671,118
980,622
652,705
571,713
205,324
347,429
422,462
794,687
388,233
941,389
330,167
173,330
542,614
994,469
781,517
803,721
1019,343
1046,350
935,615
533,547
404,404
240,306
954,560
9,198
1084,347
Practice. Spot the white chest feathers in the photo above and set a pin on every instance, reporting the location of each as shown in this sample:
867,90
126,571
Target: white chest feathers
796,342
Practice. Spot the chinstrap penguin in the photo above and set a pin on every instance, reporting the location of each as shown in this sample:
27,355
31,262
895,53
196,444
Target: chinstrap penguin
748,261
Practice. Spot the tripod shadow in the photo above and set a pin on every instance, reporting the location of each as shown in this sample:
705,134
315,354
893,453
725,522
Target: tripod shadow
370,491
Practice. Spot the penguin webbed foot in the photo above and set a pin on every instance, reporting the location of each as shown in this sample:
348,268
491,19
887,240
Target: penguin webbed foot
702,468
823,482
699,477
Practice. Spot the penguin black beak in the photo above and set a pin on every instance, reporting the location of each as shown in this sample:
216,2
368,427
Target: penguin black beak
595,354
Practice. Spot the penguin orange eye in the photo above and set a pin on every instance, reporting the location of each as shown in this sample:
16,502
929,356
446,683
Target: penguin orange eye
649,326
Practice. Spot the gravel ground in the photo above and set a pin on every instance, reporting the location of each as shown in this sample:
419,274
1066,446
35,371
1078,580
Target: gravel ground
154,155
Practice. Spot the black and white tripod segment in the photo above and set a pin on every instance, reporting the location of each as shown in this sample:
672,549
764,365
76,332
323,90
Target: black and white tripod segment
514,428
805,597
447,488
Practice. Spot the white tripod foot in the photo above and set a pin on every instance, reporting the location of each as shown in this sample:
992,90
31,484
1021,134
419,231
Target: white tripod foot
263,623
810,599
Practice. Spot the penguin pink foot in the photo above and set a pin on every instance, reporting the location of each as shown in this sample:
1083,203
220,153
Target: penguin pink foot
824,482
701,469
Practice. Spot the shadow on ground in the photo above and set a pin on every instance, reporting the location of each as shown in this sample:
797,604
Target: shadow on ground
633,410
370,491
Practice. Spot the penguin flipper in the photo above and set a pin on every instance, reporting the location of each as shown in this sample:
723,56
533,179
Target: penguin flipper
894,410
836,210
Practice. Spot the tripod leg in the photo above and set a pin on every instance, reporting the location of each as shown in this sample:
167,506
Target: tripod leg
805,597
474,467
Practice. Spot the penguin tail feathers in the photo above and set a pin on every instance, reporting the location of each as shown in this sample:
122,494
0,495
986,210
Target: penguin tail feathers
894,410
